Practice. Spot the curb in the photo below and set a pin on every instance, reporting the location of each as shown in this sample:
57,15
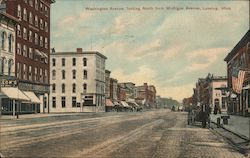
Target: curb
237,134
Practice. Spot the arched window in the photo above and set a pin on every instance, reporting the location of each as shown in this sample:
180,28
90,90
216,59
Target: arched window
85,74
73,61
3,37
19,14
2,65
73,88
63,88
84,61
84,87
53,62
10,42
30,18
25,14
53,74
25,50
63,61
19,30
63,74
36,21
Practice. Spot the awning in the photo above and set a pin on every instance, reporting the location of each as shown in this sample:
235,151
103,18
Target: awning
32,96
124,104
14,93
246,87
109,102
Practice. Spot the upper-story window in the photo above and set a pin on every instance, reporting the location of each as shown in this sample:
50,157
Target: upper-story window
24,72
36,38
63,74
85,74
73,88
46,26
30,36
3,39
30,18
25,14
24,33
25,50
2,66
30,73
31,3
46,76
63,88
46,42
41,41
74,74
41,24
19,48
41,75
84,61
53,88
53,74
73,61
10,41
30,53
36,20
10,63
41,7
35,76
46,11
36,5
63,61
19,12
19,31
53,62
25,1
84,87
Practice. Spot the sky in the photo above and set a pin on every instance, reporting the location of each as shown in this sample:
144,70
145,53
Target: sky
168,44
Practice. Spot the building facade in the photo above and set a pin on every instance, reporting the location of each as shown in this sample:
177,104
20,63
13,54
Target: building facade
77,81
32,47
114,89
239,58
147,93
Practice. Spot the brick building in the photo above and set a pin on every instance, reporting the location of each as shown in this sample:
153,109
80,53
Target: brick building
147,93
32,46
239,58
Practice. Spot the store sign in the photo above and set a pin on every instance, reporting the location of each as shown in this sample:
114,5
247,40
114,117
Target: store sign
34,88
8,83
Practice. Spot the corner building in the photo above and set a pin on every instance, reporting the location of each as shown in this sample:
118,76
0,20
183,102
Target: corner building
32,47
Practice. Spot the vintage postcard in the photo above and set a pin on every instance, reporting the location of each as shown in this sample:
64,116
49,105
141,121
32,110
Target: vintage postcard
129,79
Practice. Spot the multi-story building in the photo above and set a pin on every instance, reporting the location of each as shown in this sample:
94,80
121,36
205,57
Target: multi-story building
114,89
147,93
32,46
130,90
239,58
77,81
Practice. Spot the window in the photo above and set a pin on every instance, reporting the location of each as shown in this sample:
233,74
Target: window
30,53
18,70
54,102
84,61
46,43
63,88
36,5
10,63
24,72
63,102
2,65
46,78
36,39
84,87
19,13
46,26
30,73
30,36
35,77
30,18
24,33
53,62
41,75
41,41
85,74
19,31
25,50
31,3
25,14
53,74
53,88
46,11
25,1
3,35
74,74
10,40
74,61
73,102
41,7
41,24
63,61
36,21
19,48
63,74
73,88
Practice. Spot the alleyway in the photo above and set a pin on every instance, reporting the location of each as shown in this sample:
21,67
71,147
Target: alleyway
159,133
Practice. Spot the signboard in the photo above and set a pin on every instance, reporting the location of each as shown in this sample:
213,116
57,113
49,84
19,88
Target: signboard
8,83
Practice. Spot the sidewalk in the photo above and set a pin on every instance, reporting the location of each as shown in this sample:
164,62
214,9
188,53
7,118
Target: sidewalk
237,124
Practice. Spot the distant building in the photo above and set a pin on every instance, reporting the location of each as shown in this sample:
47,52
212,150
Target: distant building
77,81
130,90
147,93
114,89
239,58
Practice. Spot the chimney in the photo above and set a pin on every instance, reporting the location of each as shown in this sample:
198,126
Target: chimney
79,50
